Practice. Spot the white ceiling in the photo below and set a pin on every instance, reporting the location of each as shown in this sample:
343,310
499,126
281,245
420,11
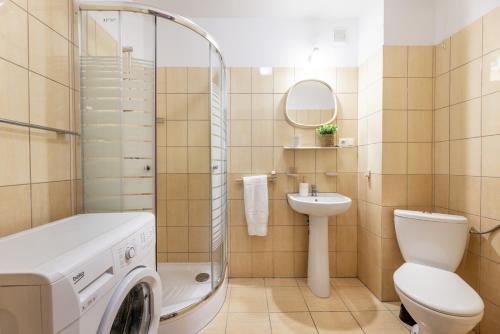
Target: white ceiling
263,8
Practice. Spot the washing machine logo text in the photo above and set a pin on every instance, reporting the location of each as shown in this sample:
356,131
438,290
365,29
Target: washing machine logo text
78,277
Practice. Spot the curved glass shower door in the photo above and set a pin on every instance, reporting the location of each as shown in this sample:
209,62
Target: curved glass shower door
154,139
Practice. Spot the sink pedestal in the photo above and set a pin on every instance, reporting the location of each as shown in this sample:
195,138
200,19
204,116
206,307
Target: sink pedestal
318,271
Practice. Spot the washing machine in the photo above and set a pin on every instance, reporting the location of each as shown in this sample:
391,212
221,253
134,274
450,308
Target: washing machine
91,273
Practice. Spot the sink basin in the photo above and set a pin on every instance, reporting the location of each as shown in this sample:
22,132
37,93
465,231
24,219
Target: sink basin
319,208
325,204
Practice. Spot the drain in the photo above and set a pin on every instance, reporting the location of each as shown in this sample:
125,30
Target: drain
202,277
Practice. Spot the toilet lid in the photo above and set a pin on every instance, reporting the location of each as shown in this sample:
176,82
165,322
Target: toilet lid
440,290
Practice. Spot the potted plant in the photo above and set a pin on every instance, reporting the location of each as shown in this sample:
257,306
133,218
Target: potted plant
327,134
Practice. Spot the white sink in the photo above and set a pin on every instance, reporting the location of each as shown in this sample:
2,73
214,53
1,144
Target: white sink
325,204
319,208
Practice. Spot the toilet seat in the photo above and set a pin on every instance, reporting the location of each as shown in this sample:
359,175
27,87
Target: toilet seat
439,290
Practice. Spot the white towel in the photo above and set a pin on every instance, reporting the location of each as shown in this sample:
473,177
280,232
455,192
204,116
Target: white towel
256,204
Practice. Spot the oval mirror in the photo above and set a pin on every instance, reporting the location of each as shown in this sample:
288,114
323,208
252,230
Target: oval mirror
311,103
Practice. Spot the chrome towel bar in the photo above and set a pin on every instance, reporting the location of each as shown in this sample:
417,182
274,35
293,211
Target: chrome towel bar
39,127
491,230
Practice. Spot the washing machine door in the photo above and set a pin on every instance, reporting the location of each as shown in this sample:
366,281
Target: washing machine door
135,306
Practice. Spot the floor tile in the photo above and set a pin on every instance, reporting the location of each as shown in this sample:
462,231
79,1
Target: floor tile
246,282
392,306
359,299
379,322
281,282
315,303
301,281
338,282
248,323
292,323
336,323
248,300
285,299
216,326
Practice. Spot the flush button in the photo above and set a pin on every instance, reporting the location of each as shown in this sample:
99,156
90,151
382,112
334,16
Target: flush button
129,253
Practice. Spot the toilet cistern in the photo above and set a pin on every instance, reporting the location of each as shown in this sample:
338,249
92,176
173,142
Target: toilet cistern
319,206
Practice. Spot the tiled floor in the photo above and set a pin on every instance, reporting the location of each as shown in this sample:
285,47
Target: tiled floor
287,306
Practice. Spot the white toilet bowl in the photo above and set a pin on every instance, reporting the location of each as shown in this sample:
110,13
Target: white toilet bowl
433,245
439,300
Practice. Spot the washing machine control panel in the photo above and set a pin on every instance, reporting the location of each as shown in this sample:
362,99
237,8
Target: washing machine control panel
129,251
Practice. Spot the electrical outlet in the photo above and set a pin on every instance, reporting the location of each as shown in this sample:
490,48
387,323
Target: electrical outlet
346,142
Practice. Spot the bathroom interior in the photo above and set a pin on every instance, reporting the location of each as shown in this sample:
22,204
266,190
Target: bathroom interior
319,167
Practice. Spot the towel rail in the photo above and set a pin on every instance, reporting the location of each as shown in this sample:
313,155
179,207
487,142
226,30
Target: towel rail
270,177
39,127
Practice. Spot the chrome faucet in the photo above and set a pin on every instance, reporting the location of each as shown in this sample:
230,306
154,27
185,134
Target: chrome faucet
314,190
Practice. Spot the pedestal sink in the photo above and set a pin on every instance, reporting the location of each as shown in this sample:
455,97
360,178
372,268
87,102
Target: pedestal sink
319,208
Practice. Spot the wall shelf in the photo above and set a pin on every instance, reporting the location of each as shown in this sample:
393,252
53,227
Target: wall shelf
310,147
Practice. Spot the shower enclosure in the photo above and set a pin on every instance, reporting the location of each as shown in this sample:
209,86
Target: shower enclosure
154,138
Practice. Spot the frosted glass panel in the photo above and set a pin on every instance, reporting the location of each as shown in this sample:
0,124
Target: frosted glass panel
118,101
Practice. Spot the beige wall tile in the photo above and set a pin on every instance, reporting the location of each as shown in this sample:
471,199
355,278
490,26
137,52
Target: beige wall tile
348,106
49,102
15,152
14,45
14,100
394,125
465,157
420,125
241,133
262,133
198,133
465,82
177,80
199,186
241,80
262,160
198,80
466,44
161,106
48,52
347,80
177,161
52,13
442,157
394,158
176,212
442,91
420,61
199,239
161,80
50,157
347,160
442,51
491,73
419,158
395,61
490,120
420,93
261,83
177,106
395,93
15,208
50,201
177,186
465,119
491,26
465,192
262,106
283,79
419,190
490,157
441,190
241,106
177,239
241,159
490,197
198,107
177,133
394,190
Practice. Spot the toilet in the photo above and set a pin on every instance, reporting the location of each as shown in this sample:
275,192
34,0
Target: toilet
439,300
